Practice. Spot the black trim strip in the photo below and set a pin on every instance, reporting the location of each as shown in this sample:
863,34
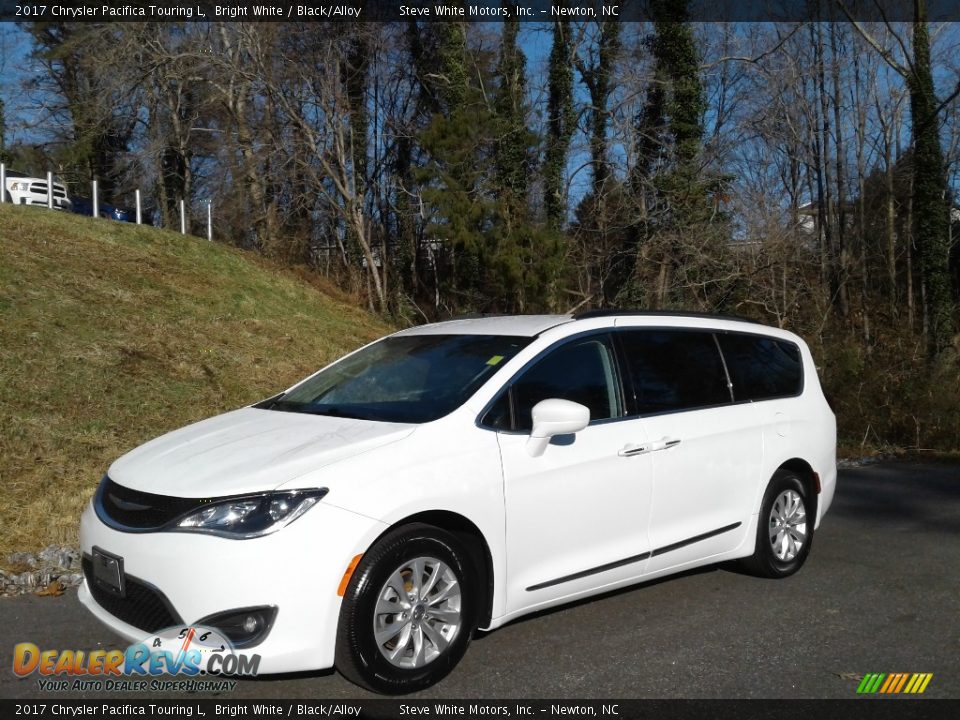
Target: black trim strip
591,571
633,559
690,541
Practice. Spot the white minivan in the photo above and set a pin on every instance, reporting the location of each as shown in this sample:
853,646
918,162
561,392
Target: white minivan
455,476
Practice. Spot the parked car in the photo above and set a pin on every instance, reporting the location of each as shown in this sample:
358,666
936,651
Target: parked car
84,206
23,189
459,475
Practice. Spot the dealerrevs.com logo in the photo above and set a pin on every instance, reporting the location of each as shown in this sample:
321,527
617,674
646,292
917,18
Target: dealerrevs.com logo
186,653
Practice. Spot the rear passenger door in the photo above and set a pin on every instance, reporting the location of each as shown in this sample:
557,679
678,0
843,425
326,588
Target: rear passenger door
706,450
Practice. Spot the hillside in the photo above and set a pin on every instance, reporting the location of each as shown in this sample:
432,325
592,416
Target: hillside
111,334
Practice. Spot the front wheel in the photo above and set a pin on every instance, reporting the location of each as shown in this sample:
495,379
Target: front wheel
409,611
784,528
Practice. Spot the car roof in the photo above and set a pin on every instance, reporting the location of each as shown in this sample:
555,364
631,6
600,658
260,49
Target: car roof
533,325
517,325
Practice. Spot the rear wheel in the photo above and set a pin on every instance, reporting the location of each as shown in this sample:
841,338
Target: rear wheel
409,611
784,528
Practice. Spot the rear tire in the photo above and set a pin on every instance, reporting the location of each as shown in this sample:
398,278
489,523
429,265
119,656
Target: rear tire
409,611
784,528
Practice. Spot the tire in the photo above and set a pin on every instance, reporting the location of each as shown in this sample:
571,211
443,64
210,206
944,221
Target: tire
396,635
784,528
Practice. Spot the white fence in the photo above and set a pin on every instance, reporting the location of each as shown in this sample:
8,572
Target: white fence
95,201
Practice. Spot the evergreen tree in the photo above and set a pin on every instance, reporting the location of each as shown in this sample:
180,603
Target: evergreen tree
100,116
476,183
514,139
561,122
674,196
931,198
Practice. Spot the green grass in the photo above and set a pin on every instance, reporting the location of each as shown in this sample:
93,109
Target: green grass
111,334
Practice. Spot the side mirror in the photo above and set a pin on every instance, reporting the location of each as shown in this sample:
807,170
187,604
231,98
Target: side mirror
555,417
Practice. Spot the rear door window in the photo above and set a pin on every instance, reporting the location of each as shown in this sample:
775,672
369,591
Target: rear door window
674,370
762,367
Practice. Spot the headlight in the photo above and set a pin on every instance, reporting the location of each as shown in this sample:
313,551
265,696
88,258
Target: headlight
23,187
250,516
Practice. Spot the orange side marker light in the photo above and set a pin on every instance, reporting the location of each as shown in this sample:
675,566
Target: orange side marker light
347,574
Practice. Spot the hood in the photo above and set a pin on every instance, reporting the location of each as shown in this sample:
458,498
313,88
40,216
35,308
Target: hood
248,450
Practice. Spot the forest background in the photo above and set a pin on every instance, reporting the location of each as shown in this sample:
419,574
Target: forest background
803,174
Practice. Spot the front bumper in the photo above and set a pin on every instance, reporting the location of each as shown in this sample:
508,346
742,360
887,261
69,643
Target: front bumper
297,569
41,201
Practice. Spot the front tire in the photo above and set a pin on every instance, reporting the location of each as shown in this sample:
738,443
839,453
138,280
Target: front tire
784,528
409,611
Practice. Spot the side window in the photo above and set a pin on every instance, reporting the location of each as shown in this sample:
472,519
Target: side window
674,370
583,371
762,367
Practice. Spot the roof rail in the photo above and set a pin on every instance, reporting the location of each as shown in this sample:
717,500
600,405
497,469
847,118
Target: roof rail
472,316
660,313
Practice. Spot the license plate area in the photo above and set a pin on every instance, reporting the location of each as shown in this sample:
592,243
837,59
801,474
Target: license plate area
108,572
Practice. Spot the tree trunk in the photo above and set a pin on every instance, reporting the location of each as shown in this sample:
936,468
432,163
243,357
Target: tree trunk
931,208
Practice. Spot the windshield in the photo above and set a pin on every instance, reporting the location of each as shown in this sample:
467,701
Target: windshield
405,379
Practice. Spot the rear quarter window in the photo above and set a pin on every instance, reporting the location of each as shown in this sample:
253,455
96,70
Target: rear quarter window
761,367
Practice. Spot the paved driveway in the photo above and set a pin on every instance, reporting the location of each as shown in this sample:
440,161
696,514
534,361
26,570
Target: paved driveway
878,594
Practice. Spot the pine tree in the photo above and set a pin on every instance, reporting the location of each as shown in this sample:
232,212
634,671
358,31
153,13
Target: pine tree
673,194
931,208
561,122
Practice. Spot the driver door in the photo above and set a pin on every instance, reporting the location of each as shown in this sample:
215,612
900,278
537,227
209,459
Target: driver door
576,515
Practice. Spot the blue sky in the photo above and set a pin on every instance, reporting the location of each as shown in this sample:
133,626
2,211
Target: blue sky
14,66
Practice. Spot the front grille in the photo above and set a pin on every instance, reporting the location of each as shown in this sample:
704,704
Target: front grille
40,188
142,605
140,510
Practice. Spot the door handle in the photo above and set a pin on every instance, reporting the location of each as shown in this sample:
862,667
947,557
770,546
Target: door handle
664,444
631,449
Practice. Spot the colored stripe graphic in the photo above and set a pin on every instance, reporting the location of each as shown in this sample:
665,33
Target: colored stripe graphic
894,683
871,683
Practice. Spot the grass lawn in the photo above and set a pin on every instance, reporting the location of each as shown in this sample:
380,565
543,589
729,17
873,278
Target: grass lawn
111,334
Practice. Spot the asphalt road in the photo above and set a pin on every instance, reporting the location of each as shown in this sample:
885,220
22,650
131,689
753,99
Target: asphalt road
879,593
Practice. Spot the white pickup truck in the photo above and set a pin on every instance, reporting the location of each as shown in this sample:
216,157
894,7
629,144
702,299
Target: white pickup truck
25,190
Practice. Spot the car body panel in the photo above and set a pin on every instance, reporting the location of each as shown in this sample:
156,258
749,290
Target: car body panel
705,483
579,507
247,450
303,565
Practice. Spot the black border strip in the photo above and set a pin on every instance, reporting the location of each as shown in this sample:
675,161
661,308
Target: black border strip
690,541
633,559
591,571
